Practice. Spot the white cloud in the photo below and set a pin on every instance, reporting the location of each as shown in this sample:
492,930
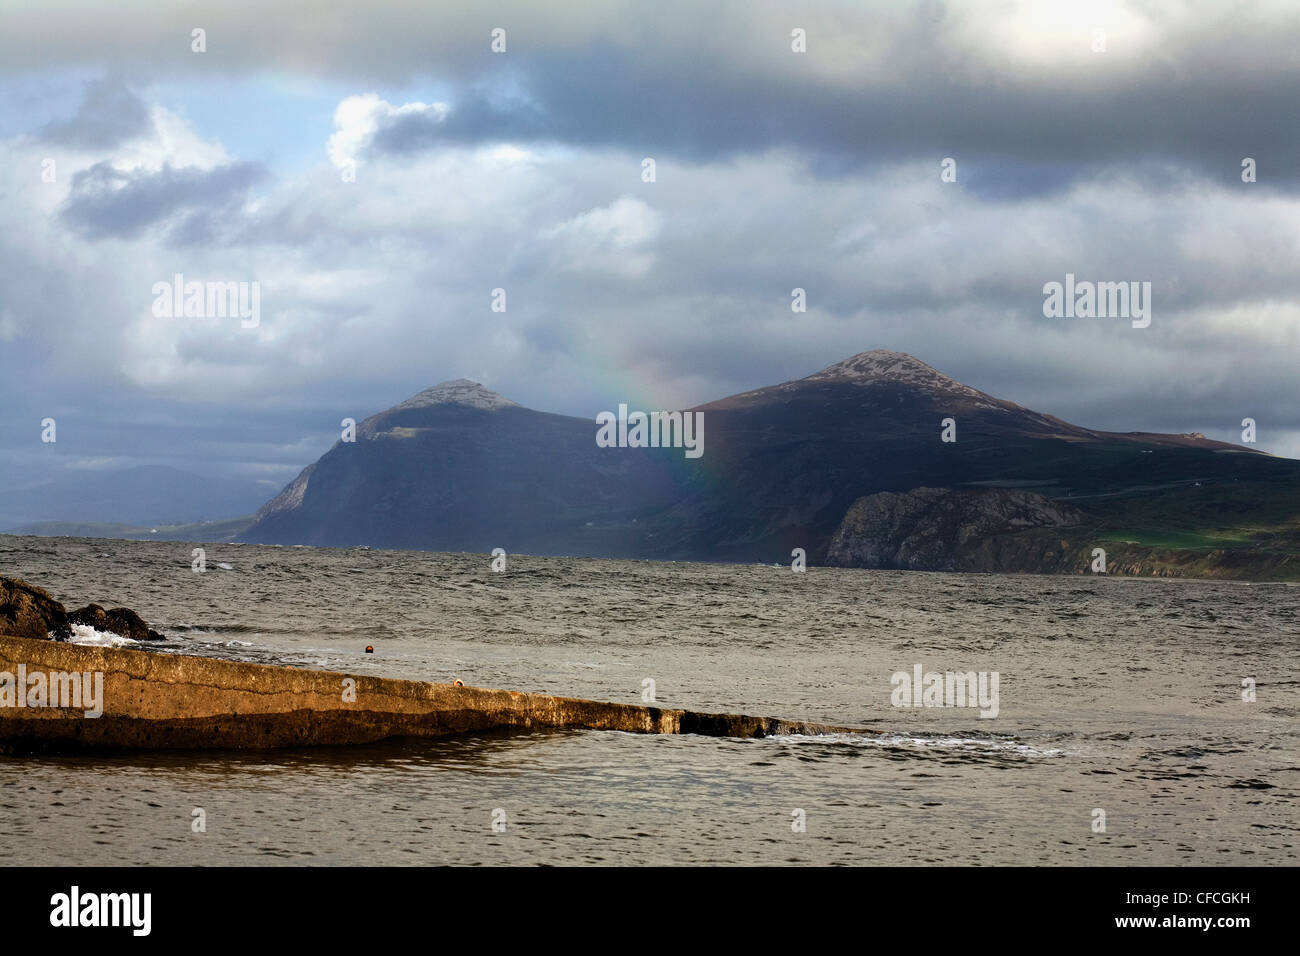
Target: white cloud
358,118
611,238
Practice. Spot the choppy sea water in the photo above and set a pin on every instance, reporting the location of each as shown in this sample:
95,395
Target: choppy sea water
1115,694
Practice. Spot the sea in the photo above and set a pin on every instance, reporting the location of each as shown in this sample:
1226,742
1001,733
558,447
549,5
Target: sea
1139,721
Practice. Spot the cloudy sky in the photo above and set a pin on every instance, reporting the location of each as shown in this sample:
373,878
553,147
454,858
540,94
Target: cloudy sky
379,170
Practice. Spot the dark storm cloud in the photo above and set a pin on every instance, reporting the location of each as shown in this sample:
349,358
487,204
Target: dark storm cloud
1018,135
478,118
109,115
1199,87
1043,139
106,202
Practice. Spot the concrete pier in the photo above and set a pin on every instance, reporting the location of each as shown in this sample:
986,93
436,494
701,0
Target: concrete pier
169,701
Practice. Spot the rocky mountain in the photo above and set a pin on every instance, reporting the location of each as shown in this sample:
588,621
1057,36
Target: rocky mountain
458,467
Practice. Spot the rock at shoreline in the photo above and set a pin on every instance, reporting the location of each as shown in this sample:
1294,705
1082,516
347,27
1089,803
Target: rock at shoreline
29,611
942,529
121,621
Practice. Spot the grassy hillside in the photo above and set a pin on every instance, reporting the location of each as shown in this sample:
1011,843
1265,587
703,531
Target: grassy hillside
1230,529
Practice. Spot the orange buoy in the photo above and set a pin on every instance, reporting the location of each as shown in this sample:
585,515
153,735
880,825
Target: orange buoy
370,649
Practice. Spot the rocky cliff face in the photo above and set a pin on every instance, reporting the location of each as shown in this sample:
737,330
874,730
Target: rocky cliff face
941,529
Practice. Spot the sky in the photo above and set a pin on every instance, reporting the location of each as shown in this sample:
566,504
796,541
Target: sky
379,170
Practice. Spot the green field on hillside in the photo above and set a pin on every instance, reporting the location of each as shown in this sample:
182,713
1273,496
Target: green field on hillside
1251,527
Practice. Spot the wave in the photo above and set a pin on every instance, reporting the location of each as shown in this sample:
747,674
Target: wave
944,742
87,635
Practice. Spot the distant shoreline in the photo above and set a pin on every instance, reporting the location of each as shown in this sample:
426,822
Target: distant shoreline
1129,556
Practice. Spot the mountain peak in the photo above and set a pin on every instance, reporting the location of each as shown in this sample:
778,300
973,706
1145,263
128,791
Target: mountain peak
458,391
882,365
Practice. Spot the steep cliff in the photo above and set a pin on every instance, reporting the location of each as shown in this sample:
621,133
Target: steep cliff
941,529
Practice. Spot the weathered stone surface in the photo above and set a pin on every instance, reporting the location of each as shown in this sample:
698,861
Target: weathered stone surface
119,620
941,529
29,611
165,701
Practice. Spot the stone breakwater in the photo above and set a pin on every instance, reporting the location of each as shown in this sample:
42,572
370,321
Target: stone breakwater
170,701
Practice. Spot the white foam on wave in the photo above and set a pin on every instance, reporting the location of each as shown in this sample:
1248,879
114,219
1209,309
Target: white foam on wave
207,635
87,635
950,743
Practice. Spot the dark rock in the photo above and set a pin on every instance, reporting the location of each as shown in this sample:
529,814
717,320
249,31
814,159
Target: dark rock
124,621
92,615
119,620
29,611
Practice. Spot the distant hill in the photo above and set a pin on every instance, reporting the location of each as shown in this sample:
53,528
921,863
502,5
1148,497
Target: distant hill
148,496
458,467
203,531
